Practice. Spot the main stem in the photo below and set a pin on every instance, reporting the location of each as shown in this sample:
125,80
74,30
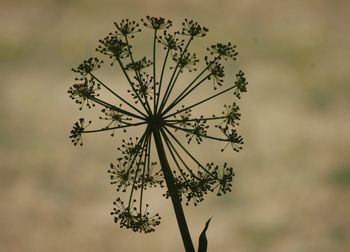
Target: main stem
173,192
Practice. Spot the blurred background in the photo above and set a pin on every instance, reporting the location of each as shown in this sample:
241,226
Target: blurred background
293,177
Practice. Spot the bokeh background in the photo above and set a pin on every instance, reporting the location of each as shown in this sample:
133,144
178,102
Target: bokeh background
292,191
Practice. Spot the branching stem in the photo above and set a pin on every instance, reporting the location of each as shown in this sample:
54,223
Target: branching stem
173,192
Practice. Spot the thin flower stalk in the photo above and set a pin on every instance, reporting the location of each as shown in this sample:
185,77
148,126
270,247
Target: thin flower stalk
171,83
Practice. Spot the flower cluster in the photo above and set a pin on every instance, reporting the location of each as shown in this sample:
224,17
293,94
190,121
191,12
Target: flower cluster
88,66
143,87
207,179
156,23
240,84
113,47
138,65
170,41
78,129
217,73
162,108
187,60
193,29
127,28
231,115
226,51
198,129
129,217
233,139
84,92
116,119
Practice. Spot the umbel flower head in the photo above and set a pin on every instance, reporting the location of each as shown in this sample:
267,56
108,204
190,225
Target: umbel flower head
163,107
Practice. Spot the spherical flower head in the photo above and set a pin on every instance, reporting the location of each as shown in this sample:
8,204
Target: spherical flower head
217,72
84,92
170,41
241,84
77,130
227,51
156,23
88,66
187,60
121,175
130,149
231,115
193,29
128,217
113,47
144,87
183,117
116,119
198,130
138,65
165,111
224,178
233,139
197,187
127,28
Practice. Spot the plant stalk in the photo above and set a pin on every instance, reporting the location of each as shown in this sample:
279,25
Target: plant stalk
173,192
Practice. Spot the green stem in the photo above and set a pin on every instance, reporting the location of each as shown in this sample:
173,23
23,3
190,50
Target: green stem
173,192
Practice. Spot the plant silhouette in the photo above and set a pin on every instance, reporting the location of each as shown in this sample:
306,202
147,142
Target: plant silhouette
154,104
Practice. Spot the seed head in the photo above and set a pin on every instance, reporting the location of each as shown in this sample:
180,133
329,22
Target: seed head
161,109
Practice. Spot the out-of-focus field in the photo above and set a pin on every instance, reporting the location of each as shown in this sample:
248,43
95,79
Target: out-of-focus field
292,191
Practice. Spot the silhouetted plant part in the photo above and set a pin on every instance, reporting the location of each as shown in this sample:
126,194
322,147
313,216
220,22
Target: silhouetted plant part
83,91
162,110
78,129
241,84
116,119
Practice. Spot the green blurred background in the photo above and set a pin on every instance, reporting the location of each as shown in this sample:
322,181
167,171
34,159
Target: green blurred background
292,191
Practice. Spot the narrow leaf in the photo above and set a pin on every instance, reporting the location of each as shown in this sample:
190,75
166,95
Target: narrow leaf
203,242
